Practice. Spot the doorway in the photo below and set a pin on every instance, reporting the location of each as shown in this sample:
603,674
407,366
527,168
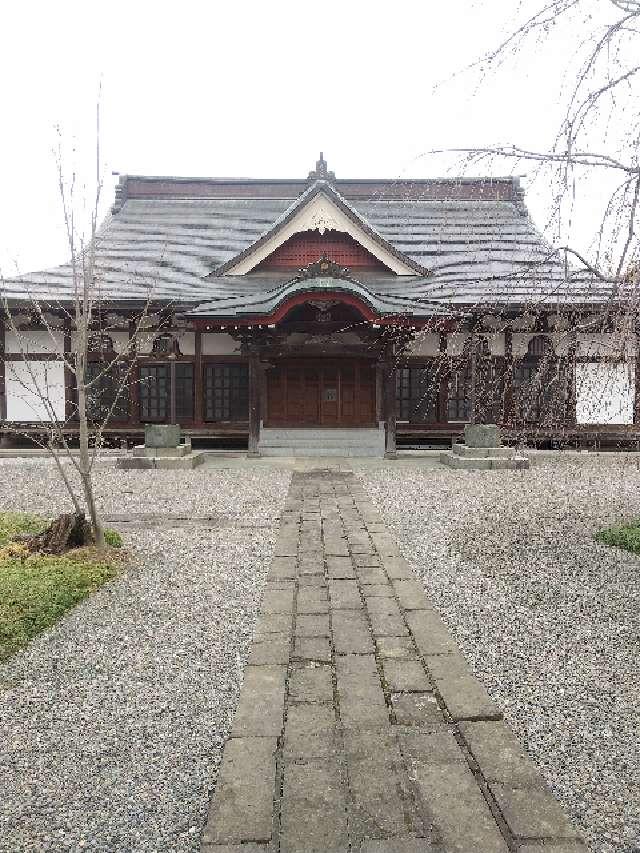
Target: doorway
321,392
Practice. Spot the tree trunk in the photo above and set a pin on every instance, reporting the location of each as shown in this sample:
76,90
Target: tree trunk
65,532
85,462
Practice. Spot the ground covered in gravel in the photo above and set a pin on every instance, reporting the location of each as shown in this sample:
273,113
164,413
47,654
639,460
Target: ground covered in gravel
112,723
548,618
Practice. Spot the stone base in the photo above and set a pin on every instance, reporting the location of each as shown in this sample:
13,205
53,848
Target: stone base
151,452
170,463
462,457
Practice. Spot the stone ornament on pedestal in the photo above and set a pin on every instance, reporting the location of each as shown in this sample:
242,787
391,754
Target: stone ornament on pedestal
162,448
483,450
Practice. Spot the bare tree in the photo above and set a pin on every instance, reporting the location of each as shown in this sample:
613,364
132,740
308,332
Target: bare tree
81,316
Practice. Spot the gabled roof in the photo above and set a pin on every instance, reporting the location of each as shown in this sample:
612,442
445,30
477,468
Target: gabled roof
169,235
321,207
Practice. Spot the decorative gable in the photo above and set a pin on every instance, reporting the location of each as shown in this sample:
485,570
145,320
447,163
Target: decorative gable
321,213
310,246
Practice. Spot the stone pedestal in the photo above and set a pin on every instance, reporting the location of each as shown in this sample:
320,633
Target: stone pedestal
162,448
483,450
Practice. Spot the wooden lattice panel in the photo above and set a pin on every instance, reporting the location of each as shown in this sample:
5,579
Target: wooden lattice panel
308,247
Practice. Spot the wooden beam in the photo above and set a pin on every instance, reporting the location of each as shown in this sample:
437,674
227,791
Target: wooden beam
134,413
254,401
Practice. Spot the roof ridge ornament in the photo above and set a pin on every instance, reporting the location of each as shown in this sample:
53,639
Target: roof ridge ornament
323,268
321,172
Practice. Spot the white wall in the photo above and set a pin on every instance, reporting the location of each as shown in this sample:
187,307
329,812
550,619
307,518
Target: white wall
36,341
605,393
219,344
426,344
23,402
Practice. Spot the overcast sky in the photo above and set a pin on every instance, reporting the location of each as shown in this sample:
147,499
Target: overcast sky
251,89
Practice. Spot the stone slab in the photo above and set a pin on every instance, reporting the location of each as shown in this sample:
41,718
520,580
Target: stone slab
277,599
405,676
272,623
387,625
313,811
351,634
410,594
242,806
140,450
416,709
396,845
397,567
431,635
397,648
499,754
162,435
532,814
312,648
464,695
461,816
340,567
360,691
312,625
273,650
345,595
261,705
312,600
380,805
541,847
482,435
311,684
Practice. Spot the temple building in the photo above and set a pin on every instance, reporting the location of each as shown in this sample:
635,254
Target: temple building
325,312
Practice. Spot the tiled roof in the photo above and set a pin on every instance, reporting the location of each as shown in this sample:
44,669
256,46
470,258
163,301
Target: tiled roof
169,236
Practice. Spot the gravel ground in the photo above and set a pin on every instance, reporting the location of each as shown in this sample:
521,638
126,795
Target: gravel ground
548,618
112,723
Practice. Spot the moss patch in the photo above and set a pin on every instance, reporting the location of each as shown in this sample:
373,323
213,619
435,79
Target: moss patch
36,590
625,536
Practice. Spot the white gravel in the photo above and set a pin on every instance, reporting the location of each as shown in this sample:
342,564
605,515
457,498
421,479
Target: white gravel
112,723
548,618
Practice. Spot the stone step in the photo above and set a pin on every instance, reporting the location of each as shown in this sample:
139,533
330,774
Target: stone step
321,442
484,463
311,450
480,452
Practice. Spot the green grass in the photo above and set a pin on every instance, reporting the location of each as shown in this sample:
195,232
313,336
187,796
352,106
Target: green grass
625,536
36,590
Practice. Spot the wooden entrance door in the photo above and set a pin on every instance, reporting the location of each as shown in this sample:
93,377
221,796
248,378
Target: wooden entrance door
321,393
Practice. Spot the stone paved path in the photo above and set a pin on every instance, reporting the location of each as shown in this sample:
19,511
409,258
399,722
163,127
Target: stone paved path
359,725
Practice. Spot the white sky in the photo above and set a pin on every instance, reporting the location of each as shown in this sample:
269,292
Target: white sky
251,89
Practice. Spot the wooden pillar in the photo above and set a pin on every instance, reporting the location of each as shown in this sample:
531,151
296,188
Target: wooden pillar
172,391
254,401
508,413
570,413
390,449
134,408
3,380
444,372
473,358
198,380
69,378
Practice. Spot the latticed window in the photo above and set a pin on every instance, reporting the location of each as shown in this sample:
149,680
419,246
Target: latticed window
487,386
458,399
540,384
417,394
184,390
108,392
155,392
226,392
